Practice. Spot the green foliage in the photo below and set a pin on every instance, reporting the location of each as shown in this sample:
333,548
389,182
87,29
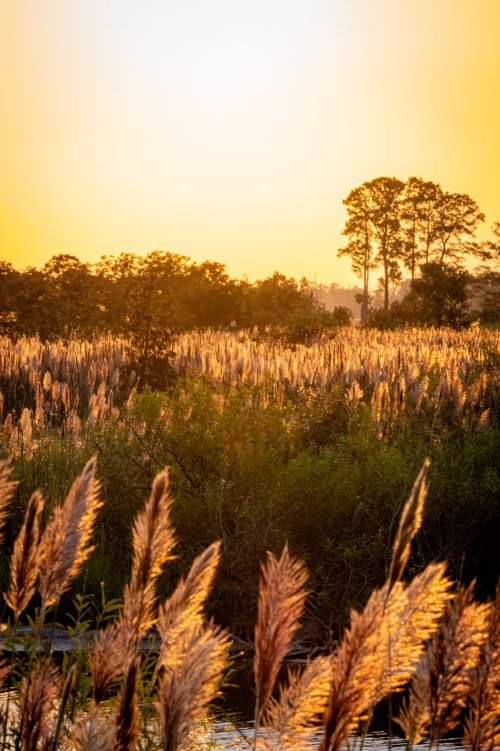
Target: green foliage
392,224
438,297
148,299
256,468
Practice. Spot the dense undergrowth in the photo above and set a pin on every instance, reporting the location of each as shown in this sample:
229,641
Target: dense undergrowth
112,692
256,465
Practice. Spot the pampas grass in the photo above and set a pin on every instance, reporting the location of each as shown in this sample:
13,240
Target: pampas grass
127,719
92,731
281,602
449,650
289,719
183,610
154,540
66,540
107,659
25,560
411,520
381,648
188,686
38,696
6,489
482,722
443,680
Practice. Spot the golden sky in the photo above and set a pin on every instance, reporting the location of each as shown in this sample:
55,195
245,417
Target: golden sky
230,130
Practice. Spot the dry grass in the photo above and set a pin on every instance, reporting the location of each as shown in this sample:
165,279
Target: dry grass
25,561
183,611
65,543
154,540
446,649
187,687
6,490
281,602
482,722
78,387
442,682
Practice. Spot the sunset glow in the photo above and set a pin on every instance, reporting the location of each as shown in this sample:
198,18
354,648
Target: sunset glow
232,131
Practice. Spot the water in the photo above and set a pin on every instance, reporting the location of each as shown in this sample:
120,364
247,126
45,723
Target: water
237,735
231,736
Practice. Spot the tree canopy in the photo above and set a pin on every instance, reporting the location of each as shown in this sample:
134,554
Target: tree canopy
399,226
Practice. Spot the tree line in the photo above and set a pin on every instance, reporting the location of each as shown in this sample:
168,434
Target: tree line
150,298
414,226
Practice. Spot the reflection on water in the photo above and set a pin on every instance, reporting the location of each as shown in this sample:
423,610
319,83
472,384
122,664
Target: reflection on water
239,737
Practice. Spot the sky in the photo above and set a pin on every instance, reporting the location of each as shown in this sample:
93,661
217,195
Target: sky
232,131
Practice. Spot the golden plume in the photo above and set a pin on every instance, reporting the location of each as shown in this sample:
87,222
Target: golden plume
482,722
183,610
7,488
25,560
439,689
410,522
289,719
153,540
127,719
37,702
65,542
186,688
281,603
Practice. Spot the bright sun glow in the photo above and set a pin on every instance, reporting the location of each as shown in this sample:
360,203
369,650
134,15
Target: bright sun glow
233,130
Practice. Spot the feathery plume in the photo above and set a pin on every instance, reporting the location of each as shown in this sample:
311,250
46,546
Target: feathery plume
37,701
482,723
190,684
411,616
107,659
183,610
24,564
380,650
127,720
92,731
6,490
410,522
441,684
65,542
153,539
281,603
356,665
289,719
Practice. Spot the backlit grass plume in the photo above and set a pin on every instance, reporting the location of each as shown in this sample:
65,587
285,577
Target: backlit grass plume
7,487
107,659
289,719
382,650
411,520
38,697
25,560
186,688
92,731
442,682
281,603
384,642
127,719
356,667
183,610
482,722
66,540
411,615
153,540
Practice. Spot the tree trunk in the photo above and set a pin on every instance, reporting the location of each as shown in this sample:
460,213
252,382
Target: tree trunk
386,286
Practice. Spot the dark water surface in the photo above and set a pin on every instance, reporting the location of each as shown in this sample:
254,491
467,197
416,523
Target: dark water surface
239,737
